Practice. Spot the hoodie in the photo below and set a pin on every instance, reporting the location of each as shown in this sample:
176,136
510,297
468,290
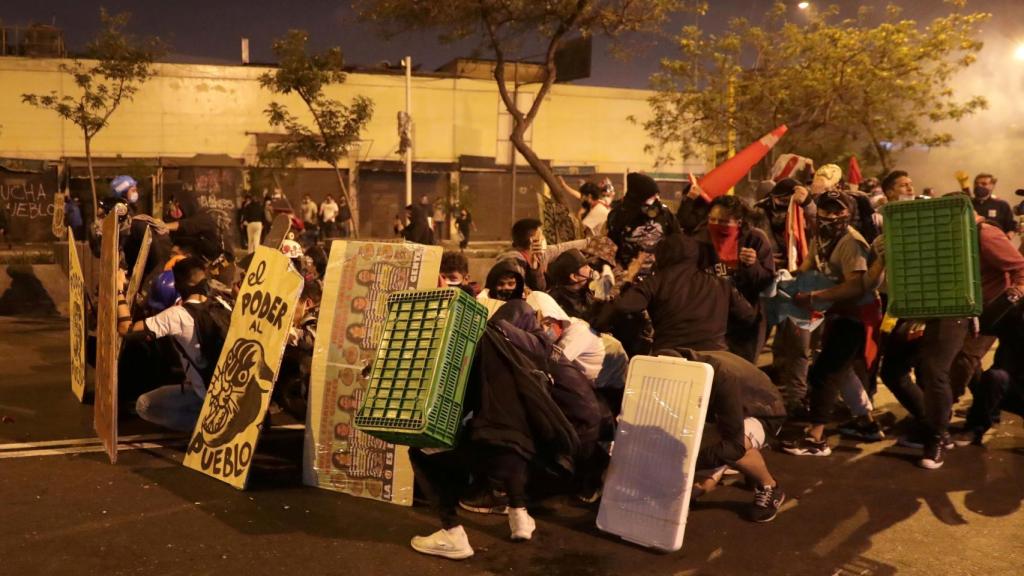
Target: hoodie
503,267
418,230
689,308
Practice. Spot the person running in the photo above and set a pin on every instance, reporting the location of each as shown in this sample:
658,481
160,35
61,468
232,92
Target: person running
465,225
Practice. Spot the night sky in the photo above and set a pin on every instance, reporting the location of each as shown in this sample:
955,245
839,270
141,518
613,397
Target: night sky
210,30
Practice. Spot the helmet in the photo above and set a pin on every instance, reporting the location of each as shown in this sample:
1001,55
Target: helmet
291,249
120,186
162,295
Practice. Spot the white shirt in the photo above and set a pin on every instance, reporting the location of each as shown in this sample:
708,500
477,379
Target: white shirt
597,218
177,323
329,210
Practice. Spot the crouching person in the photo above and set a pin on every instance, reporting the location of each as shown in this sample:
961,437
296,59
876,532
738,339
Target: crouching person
197,336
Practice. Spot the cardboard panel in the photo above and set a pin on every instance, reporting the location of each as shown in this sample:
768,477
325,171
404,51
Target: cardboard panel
360,276
224,441
107,340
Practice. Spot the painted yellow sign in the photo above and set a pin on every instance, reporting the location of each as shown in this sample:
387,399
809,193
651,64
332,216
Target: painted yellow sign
360,276
237,397
76,313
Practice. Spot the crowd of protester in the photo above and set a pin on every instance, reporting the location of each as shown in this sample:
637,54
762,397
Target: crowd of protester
548,378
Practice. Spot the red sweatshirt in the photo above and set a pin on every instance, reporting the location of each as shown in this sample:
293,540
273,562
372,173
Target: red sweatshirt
1002,265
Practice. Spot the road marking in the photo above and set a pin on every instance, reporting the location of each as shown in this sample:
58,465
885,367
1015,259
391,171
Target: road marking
90,445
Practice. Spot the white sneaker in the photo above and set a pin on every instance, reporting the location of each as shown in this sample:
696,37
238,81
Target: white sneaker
521,524
452,543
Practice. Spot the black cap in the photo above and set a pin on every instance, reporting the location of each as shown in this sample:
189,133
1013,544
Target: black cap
833,200
784,188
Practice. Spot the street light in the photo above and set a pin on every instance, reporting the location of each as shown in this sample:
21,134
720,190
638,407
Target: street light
803,5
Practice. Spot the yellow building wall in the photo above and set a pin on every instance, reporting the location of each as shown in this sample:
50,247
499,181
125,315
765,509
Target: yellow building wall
201,109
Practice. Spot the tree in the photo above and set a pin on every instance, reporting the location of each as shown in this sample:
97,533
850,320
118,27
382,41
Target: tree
856,85
120,65
510,28
336,126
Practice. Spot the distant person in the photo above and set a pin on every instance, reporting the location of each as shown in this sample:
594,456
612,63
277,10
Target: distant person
73,216
464,222
439,221
428,210
416,227
328,217
308,210
994,210
252,220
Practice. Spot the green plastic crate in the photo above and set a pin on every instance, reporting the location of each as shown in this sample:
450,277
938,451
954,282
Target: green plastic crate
932,264
419,376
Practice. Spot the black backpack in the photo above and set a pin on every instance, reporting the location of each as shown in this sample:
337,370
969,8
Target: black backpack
212,318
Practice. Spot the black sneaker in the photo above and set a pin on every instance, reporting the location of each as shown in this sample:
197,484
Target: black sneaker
486,502
807,447
767,500
862,429
916,441
966,437
934,448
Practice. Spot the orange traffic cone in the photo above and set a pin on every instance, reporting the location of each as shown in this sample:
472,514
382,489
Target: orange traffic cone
729,173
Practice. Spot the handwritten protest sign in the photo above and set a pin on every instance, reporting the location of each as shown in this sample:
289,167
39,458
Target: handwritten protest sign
57,225
76,311
107,338
238,395
360,276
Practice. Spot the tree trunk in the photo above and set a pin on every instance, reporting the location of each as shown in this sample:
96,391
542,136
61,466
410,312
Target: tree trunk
354,232
92,178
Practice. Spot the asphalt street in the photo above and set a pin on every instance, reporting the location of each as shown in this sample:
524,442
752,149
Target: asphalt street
64,509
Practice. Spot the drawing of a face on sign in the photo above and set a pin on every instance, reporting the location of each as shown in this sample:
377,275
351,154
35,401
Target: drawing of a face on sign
236,393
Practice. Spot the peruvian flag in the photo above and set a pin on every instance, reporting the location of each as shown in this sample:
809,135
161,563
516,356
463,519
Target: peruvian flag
796,236
726,175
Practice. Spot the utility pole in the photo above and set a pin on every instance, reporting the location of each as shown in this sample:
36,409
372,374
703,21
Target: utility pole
408,114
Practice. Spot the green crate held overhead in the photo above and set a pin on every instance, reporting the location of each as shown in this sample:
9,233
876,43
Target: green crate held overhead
423,361
932,265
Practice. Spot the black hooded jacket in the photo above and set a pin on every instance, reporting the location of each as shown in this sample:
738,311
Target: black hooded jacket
502,268
688,307
198,229
631,228
418,230
576,303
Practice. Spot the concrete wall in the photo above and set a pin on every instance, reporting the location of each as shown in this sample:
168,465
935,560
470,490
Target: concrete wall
192,109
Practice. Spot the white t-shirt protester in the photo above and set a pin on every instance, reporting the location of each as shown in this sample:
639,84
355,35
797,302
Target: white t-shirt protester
177,323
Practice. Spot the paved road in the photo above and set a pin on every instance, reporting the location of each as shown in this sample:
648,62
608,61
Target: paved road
866,510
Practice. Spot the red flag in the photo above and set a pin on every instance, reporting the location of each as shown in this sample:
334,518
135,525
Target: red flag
729,173
853,175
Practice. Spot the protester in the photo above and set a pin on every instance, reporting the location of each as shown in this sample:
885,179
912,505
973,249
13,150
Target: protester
639,222
252,220
309,211
840,253
596,206
530,249
455,272
731,248
416,227
177,406
994,210
465,225
73,216
328,215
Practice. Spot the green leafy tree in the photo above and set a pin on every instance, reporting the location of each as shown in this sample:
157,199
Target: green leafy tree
336,126
867,85
510,29
118,65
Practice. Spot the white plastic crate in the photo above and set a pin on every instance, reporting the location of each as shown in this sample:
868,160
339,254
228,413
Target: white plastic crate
647,490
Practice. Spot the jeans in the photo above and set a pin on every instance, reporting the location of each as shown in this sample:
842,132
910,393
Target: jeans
171,407
942,341
613,368
791,356
253,233
843,340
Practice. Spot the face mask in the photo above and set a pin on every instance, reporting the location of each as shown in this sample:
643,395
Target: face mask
724,231
551,333
832,229
133,197
200,289
503,294
452,284
980,192
652,210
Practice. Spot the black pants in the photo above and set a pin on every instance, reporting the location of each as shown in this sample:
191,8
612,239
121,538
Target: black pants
900,355
996,390
842,341
747,341
931,399
443,477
